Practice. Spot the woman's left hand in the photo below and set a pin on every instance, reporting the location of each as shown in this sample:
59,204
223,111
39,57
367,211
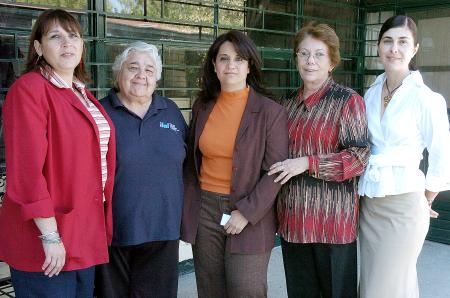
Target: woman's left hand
236,223
431,195
289,168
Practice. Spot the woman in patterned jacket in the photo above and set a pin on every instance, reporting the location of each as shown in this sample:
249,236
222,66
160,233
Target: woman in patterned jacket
328,148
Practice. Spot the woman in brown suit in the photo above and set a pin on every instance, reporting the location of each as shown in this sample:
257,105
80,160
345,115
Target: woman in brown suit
236,133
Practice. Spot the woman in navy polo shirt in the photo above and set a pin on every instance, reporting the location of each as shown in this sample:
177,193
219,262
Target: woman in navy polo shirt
148,189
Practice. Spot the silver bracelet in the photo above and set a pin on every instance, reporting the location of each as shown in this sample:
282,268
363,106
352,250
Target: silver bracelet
50,238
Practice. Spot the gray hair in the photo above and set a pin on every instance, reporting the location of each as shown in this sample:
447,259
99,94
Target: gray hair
141,47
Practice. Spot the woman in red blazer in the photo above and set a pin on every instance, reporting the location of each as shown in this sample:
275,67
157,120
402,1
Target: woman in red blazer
236,133
55,221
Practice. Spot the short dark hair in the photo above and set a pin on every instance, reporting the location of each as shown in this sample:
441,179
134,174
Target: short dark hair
41,27
246,48
397,22
324,33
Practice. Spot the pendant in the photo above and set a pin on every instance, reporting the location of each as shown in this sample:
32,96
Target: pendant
387,99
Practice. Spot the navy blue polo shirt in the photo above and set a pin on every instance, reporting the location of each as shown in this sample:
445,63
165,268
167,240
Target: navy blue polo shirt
148,187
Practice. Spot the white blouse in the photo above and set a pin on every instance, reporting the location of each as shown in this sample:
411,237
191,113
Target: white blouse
415,118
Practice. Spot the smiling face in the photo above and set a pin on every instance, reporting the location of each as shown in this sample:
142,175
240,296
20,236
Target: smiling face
61,49
137,78
397,48
231,69
313,61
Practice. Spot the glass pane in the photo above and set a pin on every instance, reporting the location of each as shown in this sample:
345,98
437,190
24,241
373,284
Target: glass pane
368,81
7,49
276,80
189,13
438,82
182,70
265,39
371,48
20,18
433,57
349,47
288,6
139,30
372,32
231,18
154,8
232,2
434,44
78,4
348,64
15,18
254,19
349,80
106,82
373,18
279,22
347,14
373,63
128,7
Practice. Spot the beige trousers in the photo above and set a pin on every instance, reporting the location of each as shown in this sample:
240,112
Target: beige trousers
392,233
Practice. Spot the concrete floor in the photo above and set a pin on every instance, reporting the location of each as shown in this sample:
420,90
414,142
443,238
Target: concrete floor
433,269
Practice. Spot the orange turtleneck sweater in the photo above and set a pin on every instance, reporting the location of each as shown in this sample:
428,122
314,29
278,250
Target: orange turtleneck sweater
217,141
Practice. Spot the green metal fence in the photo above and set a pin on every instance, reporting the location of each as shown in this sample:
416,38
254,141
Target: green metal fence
183,30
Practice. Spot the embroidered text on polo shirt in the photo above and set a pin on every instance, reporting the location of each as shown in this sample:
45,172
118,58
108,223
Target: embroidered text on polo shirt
168,125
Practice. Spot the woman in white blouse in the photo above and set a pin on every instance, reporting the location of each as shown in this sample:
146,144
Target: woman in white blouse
404,117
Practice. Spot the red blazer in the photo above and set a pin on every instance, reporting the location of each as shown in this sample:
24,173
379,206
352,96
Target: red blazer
53,169
262,140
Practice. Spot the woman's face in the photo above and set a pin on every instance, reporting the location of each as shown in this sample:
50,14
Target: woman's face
396,49
231,69
313,61
61,49
137,78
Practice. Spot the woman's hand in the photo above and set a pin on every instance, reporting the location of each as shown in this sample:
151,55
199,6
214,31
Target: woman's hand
289,168
430,195
55,253
236,223
55,258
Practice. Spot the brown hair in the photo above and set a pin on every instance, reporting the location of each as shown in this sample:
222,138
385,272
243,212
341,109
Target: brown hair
41,27
246,48
324,33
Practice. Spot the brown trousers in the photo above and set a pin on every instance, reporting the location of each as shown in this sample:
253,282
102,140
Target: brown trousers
219,273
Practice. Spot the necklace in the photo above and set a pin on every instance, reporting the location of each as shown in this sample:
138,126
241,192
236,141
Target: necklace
388,97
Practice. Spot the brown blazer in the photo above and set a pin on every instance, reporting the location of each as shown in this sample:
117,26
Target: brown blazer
262,140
